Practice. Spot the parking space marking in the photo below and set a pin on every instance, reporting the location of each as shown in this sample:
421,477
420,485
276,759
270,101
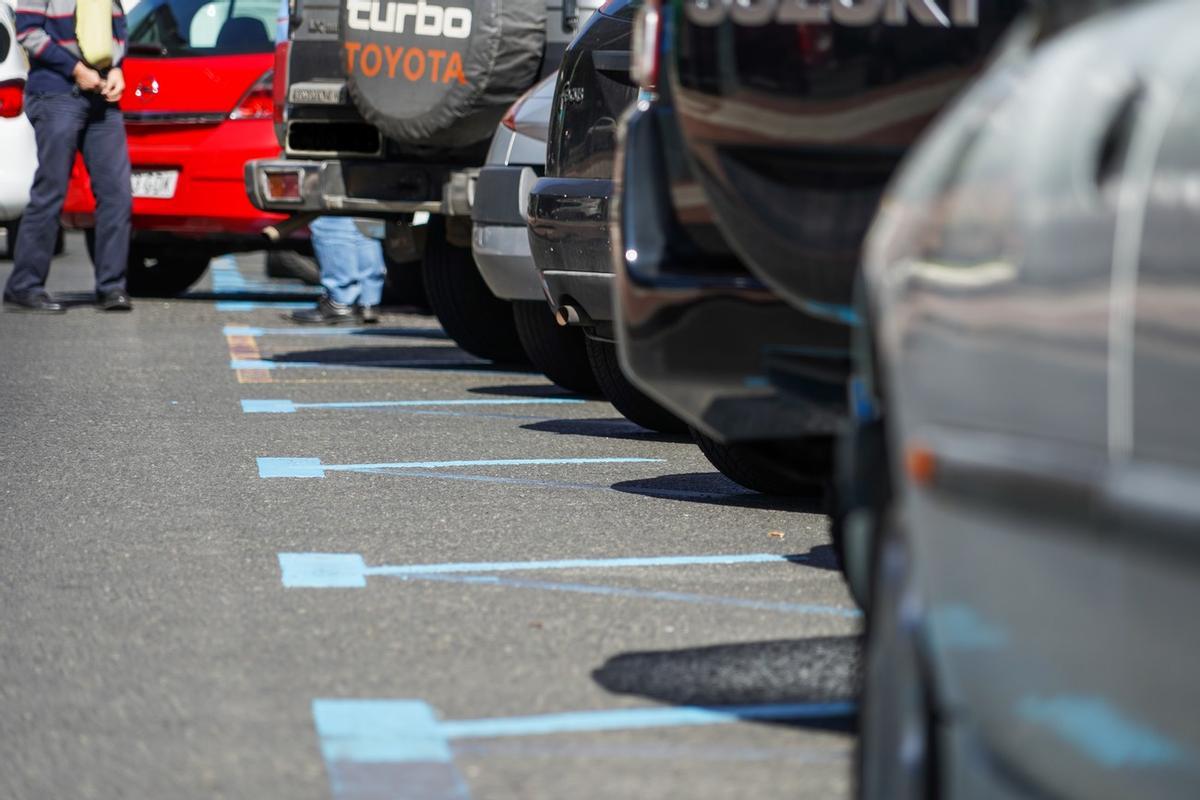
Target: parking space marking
777,606
325,570
412,333
275,467
245,349
290,407
368,745
227,278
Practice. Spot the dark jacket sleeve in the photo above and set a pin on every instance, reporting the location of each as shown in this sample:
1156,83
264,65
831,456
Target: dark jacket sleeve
41,47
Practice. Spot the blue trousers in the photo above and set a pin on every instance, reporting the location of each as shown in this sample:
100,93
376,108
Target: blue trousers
352,268
64,124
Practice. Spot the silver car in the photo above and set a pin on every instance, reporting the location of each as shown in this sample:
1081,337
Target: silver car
1034,285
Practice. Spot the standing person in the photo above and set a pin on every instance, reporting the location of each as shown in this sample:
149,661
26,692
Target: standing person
75,50
352,272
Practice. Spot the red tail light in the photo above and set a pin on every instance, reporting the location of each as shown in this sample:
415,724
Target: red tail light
12,98
647,42
279,92
258,103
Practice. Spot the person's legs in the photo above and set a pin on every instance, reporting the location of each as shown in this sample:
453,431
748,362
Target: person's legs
57,122
371,270
333,242
107,157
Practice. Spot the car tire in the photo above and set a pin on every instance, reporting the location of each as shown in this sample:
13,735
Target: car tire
558,352
801,470
636,406
151,272
471,315
896,755
154,273
291,264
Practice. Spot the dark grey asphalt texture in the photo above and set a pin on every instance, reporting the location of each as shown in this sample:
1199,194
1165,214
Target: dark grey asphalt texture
148,646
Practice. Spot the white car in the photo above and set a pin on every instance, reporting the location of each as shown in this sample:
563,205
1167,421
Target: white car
18,150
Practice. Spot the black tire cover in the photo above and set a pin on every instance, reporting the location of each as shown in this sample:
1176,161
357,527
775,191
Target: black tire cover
441,72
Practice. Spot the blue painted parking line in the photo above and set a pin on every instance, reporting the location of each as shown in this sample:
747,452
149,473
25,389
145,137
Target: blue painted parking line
369,745
290,407
325,570
227,278
776,606
415,333
254,305
444,366
313,468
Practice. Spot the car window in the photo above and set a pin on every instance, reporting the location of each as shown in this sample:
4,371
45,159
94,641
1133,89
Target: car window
5,38
621,9
198,28
1166,352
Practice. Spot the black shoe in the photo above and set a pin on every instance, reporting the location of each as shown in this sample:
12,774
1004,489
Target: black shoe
327,312
114,301
34,303
367,315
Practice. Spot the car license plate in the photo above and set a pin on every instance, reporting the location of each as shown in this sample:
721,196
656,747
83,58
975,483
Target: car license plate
155,183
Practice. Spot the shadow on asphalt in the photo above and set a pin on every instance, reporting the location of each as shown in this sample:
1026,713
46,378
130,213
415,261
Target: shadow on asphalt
826,669
431,357
822,556
715,489
611,428
544,390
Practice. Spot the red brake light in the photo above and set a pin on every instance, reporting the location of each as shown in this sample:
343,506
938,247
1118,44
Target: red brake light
12,98
647,41
258,103
279,91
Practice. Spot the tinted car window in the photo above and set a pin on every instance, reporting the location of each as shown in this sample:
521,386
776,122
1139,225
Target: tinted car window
5,39
1166,368
202,28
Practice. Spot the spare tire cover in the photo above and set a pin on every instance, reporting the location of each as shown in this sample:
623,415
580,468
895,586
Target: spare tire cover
440,72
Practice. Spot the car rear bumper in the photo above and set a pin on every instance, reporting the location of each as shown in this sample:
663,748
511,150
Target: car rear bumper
713,348
570,240
360,188
500,240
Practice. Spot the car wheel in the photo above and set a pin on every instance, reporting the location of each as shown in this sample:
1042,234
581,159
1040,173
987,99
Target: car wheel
290,264
559,352
800,469
155,273
472,316
628,399
896,758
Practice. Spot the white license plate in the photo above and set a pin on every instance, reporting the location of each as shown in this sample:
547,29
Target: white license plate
155,183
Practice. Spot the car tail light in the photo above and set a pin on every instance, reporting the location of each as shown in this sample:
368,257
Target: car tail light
647,41
279,90
257,103
282,185
509,120
12,98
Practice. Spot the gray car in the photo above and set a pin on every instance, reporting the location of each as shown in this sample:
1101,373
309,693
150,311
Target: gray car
1034,286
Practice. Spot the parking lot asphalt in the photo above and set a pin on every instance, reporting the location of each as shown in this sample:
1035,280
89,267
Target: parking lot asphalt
243,560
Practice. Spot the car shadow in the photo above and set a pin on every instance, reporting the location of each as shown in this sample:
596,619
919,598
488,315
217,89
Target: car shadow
607,428
714,488
285,294
819,670
547,391
431,357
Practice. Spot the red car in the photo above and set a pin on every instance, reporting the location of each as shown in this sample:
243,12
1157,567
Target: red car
198,105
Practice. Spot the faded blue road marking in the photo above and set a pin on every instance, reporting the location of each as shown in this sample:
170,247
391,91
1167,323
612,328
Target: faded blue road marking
289,407
651,594
415,333
637,718
445,367
458,476
313,468
376,749
323,570
254,305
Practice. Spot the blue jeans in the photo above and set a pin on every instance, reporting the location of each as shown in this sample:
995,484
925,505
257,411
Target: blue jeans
63,124
352,268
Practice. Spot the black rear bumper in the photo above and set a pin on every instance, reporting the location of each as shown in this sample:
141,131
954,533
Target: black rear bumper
714,348
569,238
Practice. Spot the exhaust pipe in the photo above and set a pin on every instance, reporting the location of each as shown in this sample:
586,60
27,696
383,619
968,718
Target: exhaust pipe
567,315
275,233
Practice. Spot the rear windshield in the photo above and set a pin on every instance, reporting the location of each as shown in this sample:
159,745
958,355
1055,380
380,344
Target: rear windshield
199,28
